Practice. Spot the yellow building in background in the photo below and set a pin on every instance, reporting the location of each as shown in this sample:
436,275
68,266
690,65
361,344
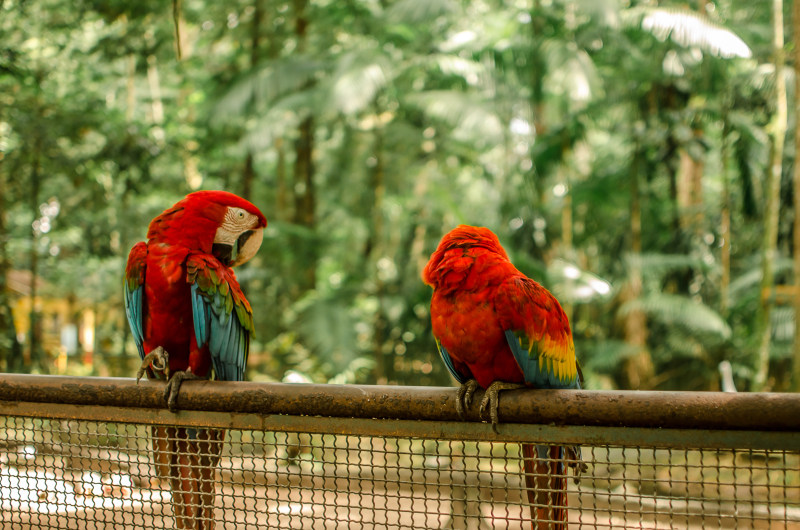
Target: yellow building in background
65,332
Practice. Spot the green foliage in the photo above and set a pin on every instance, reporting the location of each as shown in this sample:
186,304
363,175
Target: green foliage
679,310
549,122
689,29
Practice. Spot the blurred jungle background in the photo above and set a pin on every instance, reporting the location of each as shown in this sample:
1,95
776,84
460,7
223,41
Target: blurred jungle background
635,157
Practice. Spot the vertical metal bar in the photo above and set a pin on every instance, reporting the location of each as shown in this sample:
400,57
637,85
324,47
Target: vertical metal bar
751,479
785,482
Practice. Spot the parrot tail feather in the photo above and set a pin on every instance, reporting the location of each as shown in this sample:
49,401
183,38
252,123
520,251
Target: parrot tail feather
546,486
188,458
162,440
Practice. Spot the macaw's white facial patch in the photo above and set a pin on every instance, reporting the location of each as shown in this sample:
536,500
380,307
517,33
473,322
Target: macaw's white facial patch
238,238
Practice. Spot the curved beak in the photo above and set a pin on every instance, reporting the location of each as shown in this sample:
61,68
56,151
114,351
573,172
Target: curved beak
246,246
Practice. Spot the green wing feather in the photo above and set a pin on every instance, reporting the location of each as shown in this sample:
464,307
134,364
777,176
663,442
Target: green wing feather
223,319
538,333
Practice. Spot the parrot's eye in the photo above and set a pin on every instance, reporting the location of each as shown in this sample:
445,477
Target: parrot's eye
237,217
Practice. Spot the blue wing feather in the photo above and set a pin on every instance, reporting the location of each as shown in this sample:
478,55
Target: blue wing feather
222,332
540,379
133,312
226,351
215,338
228,364
133,293
529,364
200,315
459,376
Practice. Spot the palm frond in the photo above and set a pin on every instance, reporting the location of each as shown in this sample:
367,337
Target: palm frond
752,278
357,80
449,64
657,265
783,324
571,71
604,356
283,116
689,28
605,12
470,116
744,123
549,148
671,309
762,78
327,327
265,85
420,11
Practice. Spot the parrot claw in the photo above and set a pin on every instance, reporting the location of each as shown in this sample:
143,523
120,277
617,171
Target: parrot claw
574,460
464,396
158,360
491,398
174,386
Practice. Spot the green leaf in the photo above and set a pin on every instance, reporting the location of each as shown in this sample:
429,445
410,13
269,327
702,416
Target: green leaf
263,86
358,78
751,279
606,355
471,117
420,11
673,309
690,28
656,265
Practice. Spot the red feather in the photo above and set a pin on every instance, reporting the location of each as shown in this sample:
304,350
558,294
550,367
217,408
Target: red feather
181,236
478,295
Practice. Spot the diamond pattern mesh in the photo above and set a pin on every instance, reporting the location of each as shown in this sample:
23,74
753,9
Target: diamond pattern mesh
91,474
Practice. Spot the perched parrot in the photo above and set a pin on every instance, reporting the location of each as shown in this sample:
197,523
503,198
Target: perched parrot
498,329
189,320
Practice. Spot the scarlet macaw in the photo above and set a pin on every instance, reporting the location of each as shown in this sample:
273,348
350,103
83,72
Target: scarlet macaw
189,319
498,329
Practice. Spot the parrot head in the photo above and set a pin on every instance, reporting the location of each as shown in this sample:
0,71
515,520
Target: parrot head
215,222
448,263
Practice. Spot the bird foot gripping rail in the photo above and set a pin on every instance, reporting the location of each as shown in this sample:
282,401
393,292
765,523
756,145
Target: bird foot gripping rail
77,453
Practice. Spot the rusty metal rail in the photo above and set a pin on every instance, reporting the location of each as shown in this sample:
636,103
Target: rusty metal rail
383,457
674,410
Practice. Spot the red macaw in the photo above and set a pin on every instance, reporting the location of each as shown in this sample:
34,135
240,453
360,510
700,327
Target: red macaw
189,319
498,329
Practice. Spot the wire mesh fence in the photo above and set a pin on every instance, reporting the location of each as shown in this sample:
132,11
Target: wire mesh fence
63,467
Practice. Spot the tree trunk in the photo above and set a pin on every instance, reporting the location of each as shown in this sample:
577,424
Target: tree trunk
248,176
566,213
33,357
638,369
154,83
9,346
305,196
796,250
177,21
383,365
304,192
689,191
130,89
249,172
255,33
537,67
725,220
770,240
282,211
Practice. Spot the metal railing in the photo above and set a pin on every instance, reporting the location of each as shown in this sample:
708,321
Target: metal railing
104,453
